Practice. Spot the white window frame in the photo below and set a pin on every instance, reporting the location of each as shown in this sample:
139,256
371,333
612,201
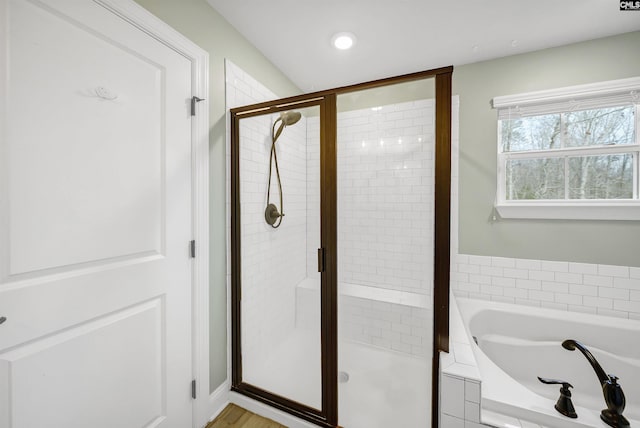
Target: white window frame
580,97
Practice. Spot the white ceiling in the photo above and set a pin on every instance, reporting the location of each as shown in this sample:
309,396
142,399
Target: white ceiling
403,36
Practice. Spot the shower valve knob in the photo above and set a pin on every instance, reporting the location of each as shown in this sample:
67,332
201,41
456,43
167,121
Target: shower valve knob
271,214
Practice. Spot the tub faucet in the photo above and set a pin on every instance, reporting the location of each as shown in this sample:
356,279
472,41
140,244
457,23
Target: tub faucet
611,389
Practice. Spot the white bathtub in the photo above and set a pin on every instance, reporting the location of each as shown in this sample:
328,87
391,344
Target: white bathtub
518,343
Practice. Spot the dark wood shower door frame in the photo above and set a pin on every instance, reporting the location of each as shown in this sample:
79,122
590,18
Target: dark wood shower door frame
327,416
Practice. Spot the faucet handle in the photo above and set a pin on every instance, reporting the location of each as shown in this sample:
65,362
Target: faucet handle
564,404
565,384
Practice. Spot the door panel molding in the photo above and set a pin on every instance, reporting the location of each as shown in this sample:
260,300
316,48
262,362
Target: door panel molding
139,18
44,377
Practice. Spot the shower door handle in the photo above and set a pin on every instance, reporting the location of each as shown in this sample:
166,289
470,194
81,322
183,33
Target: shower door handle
320,259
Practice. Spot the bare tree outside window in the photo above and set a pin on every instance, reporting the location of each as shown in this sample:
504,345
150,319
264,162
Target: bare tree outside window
535,179
601,177
531,133
606,126
571,155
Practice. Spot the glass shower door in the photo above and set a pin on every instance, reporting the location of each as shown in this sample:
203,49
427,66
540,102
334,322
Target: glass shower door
385,173
279,236
349,188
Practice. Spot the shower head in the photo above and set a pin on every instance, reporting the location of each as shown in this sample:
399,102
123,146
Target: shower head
290,117
286,118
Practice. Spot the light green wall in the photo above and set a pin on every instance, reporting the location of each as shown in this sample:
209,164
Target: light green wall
199,22
607,242
385,95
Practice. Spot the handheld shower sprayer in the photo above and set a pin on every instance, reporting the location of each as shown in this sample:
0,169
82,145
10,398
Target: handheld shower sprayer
271,214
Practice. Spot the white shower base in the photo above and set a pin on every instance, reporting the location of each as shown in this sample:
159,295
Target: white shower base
385,388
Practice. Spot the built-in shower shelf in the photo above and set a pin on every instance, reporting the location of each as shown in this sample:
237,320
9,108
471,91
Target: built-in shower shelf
397,297
394,320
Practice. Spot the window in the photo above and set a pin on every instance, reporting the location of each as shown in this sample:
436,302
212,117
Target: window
570,153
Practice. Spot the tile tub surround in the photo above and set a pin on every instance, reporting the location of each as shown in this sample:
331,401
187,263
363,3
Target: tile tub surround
460,383
580,287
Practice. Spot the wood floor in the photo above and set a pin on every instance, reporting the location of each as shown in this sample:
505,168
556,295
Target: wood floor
236,417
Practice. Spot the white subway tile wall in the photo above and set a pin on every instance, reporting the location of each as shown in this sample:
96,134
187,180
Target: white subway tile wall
385,196
274,260
385,218
579,287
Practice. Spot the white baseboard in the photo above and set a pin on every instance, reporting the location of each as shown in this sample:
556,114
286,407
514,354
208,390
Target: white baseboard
218,400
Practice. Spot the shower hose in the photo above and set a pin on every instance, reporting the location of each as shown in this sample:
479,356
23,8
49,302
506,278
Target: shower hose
273,158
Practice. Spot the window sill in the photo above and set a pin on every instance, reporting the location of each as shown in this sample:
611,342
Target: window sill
578,210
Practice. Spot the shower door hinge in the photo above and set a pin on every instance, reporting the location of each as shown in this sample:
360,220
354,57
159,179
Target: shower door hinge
194,100
320,259
192,249
193,389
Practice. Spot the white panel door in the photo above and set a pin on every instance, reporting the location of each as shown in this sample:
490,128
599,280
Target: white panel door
95,221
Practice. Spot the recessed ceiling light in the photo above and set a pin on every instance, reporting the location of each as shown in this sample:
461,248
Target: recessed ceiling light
343,41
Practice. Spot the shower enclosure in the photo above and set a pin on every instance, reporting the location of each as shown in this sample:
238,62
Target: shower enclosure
340,251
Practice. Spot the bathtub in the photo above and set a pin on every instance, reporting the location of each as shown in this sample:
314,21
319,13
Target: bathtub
512,345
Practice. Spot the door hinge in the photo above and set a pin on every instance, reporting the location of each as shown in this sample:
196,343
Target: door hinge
192,249
320,259
193,389
194,100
